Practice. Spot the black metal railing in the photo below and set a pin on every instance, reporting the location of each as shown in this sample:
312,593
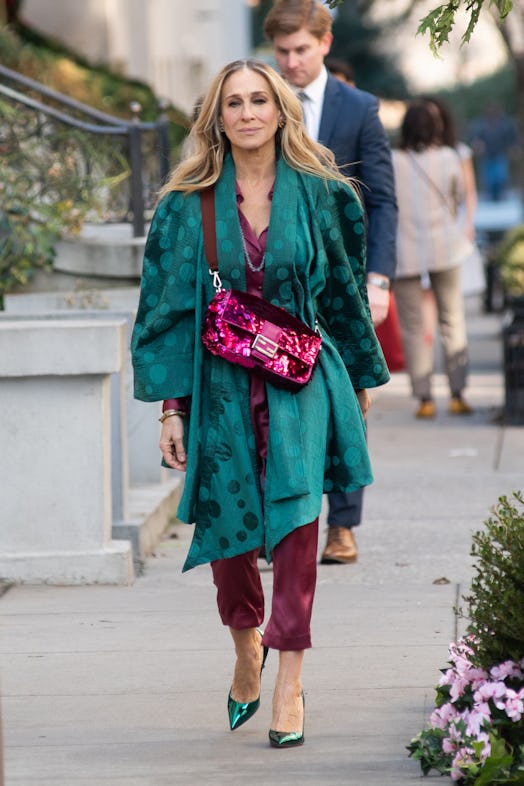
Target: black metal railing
134,154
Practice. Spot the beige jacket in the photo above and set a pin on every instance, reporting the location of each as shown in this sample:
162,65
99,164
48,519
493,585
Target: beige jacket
430,190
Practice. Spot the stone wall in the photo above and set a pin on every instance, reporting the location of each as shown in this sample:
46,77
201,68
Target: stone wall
55,398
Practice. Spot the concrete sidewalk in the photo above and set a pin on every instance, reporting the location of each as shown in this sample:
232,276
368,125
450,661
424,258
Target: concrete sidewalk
114,686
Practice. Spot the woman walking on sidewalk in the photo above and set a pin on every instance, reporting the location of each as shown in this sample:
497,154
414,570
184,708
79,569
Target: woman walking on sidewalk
258,457
430,243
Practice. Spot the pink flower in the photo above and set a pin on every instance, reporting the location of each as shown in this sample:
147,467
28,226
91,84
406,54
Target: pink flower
514,706
479,715
490,690
447,678
459,655
486,750
442,716
462,674
453,741
507,669
477,677
465,732
457,688
461,760
462,665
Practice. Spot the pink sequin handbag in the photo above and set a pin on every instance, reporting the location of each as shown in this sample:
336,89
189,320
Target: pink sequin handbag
250,331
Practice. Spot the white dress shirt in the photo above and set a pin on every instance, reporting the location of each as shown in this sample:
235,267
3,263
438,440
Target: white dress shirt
312,98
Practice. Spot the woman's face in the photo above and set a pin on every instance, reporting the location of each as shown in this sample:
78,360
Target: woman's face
248,111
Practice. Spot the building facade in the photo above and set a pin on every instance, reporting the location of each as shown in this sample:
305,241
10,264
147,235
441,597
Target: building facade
175,46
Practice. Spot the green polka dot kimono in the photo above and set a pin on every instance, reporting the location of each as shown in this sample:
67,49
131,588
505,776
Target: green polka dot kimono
315,266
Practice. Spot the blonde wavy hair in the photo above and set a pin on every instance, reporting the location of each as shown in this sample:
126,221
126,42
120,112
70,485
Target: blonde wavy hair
208,144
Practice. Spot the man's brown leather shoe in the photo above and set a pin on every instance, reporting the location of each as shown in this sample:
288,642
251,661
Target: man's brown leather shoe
340,547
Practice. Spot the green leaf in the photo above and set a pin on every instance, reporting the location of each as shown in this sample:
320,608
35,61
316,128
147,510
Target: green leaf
439,22
496,768
426,748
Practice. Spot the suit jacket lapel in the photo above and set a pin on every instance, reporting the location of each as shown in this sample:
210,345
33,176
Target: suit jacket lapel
330,110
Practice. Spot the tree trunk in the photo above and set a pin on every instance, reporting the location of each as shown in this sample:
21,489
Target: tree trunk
512,32
518,61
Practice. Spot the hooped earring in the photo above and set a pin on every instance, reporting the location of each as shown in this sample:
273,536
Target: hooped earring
281,123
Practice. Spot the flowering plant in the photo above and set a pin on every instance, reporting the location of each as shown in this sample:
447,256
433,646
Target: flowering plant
476,732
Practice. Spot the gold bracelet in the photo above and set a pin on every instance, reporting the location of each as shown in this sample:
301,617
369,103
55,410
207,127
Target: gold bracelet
170,412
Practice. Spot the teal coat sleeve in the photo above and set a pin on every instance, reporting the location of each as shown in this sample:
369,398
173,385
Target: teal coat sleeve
163,341
342,304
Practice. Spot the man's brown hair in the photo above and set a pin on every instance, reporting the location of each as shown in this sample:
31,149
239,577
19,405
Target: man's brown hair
289,16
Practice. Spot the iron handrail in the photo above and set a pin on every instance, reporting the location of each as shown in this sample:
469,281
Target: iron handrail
72,103
58,115
108,124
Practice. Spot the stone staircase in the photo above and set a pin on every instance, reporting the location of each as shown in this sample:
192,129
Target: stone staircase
96,279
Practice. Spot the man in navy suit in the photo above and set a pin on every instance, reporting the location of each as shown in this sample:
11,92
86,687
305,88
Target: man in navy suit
345,120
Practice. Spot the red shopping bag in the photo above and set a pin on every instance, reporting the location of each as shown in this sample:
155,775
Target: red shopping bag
388,333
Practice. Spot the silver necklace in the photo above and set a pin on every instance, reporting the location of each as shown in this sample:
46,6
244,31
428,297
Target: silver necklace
250,263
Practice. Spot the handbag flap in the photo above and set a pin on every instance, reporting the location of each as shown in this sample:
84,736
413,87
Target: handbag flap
258,317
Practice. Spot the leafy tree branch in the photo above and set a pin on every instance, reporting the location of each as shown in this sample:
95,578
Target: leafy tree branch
439,22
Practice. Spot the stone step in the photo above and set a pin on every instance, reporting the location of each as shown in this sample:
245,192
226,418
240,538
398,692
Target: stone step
152,509
102,250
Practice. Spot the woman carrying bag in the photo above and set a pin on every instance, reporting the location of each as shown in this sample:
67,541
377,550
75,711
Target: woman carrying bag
258,455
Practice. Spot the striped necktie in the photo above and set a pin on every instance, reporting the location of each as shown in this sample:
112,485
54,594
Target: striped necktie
306,103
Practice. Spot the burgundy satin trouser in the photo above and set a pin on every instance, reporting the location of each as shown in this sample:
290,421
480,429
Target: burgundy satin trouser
240,596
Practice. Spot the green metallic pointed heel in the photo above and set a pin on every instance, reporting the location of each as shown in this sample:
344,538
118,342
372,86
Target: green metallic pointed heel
240,712
288,739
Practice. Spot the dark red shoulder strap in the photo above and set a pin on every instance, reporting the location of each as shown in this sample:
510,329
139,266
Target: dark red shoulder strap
207,204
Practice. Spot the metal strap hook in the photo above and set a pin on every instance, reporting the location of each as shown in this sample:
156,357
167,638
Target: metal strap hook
217,283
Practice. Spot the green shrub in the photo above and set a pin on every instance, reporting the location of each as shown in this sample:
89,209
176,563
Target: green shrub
509,257
46,190
496,601
475,734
